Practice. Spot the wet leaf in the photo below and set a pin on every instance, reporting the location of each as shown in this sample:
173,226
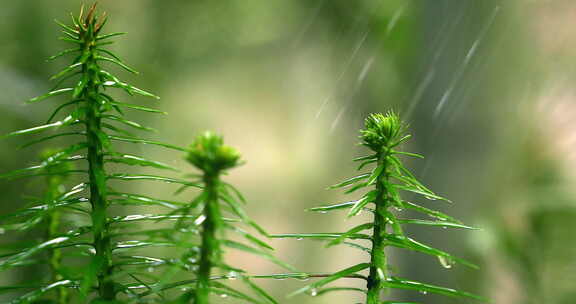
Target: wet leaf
65,71
351,181
76,101
338,275
436,223
65,52
106,36
134,160
35,129
426,194
433,213
361,203
136,107
350,232
144,141
33,295
395,282
128,198
408,243
345,205
117,62
332,289
321,236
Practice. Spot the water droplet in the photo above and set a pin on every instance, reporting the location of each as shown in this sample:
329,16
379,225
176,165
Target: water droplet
380,273
445,262
423,292
279,278
444,227
299,239
200,220
323,212
398,209
150,269
192,260
223,295
232,275
313,292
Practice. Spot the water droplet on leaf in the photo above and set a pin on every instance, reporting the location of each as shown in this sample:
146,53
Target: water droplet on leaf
232,275
445,262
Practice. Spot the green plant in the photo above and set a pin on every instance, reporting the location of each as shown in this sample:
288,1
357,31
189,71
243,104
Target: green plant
113,246
216,210
94,226
55,188
95,236
382,135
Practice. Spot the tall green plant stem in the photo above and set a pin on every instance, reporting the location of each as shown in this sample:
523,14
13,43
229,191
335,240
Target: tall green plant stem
53,224
378,262
209,241
97,175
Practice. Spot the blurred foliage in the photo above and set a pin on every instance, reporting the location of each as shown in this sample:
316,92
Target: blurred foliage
289,82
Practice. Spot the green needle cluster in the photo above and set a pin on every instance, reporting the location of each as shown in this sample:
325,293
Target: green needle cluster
86,221
94,119
382,188
218,209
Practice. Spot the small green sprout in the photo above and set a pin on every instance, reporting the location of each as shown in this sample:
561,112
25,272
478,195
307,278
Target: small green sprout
209,154
381,130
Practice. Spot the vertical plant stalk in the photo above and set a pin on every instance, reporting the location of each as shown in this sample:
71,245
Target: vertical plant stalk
382,134
97,178
54,184
94,113
97,175
211,214
220,210
208,154
378,261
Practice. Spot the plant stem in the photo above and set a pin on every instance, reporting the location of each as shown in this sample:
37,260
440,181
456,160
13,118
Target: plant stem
378,261
53,223
97,176
209,246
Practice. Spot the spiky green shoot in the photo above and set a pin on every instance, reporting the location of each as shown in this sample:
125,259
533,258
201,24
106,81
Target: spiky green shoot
382,135
107,243
220,210
209,154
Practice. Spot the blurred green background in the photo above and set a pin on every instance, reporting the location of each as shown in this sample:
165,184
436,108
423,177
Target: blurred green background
486,85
